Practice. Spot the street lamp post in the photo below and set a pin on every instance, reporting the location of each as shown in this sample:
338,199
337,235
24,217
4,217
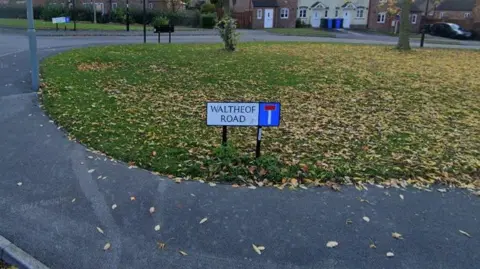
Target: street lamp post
32,40
128,18
144,21
422,40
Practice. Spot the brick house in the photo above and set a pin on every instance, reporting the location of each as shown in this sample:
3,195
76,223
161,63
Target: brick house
268,13
476,17
380,20
104,6
454,9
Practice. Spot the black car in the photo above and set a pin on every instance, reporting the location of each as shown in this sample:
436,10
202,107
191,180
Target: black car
449,30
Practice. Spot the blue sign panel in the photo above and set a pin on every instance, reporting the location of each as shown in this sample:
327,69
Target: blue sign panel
67,19
269,114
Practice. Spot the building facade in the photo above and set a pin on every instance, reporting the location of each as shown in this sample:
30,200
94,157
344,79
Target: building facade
455,10
379,19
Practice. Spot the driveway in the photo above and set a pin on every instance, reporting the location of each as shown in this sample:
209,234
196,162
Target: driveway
67,191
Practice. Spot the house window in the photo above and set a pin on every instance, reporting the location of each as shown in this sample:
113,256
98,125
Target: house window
303,12
467,15
150,5
114,6
336,13
259,14
413,18
381,17
284,13
326,13
359,12
442,15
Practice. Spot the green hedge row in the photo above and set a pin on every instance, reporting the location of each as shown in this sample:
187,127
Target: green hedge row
185,18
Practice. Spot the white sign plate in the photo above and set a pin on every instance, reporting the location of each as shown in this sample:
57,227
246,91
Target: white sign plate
232,114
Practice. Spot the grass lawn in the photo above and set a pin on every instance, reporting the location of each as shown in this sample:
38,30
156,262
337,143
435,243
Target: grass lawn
301,32
350,112
48,25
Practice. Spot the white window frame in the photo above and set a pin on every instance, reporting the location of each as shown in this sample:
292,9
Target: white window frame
361,11
259,13
383,17
413,18
336,13
284,13
304,10
326,13
467,15
114,5
442,14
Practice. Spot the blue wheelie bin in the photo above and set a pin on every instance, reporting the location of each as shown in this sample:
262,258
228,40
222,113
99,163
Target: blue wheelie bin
330,23
338,23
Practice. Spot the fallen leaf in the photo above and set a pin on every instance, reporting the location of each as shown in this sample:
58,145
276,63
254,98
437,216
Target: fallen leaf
91,171
335,187
372,245
349,221
294,182
100,230
442,190
154,153
183,253
235,186
367,219
114,206
73,200
132,198
157,228
107,246
332,244
390,254
259,252
203,220
161,245
212,184
262,172
19,183
401,197
262,248
152,210
178,180
465,233
477,193
303,187
397,235
252,187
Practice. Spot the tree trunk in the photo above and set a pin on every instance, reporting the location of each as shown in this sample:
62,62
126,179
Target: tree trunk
404,38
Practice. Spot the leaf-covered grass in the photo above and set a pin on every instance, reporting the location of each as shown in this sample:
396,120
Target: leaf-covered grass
6,266
349,113
301,32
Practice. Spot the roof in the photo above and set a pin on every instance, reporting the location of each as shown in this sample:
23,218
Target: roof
318,5
457,5
264,3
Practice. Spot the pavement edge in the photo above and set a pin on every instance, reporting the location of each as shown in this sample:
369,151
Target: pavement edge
13,255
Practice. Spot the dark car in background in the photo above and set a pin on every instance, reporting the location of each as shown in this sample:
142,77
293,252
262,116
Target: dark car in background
449,30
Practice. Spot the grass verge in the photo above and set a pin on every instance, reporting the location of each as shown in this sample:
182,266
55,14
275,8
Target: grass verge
301,32
6,266
350,112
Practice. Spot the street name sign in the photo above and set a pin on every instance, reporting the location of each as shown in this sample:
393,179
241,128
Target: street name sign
261,114
60,20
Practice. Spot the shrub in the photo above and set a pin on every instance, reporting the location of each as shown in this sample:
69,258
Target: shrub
207,8
208,20
13,12
118,16
160,21
227,27
53,11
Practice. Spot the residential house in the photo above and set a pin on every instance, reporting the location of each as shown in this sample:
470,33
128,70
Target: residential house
104,6
380,20
454,9
268,13
354,13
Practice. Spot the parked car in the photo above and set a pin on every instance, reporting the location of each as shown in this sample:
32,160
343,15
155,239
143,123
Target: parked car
449,30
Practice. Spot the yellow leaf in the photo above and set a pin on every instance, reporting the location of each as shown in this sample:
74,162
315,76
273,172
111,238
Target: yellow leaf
397,236
152,210
372,245
183,253
114,206
256,249
401,197
390,254
262,248
367,219
132,198
161,245
465,233
107,246
178,180
332,244
294,182
157,228
99,230
203,220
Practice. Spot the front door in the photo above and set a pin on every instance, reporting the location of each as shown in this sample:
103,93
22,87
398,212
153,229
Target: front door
346,19
268,23
315,21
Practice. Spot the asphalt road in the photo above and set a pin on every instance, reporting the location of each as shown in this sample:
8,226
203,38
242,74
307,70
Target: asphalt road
53,215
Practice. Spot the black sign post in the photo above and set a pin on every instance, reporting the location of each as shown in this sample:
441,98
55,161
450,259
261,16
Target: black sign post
259,141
